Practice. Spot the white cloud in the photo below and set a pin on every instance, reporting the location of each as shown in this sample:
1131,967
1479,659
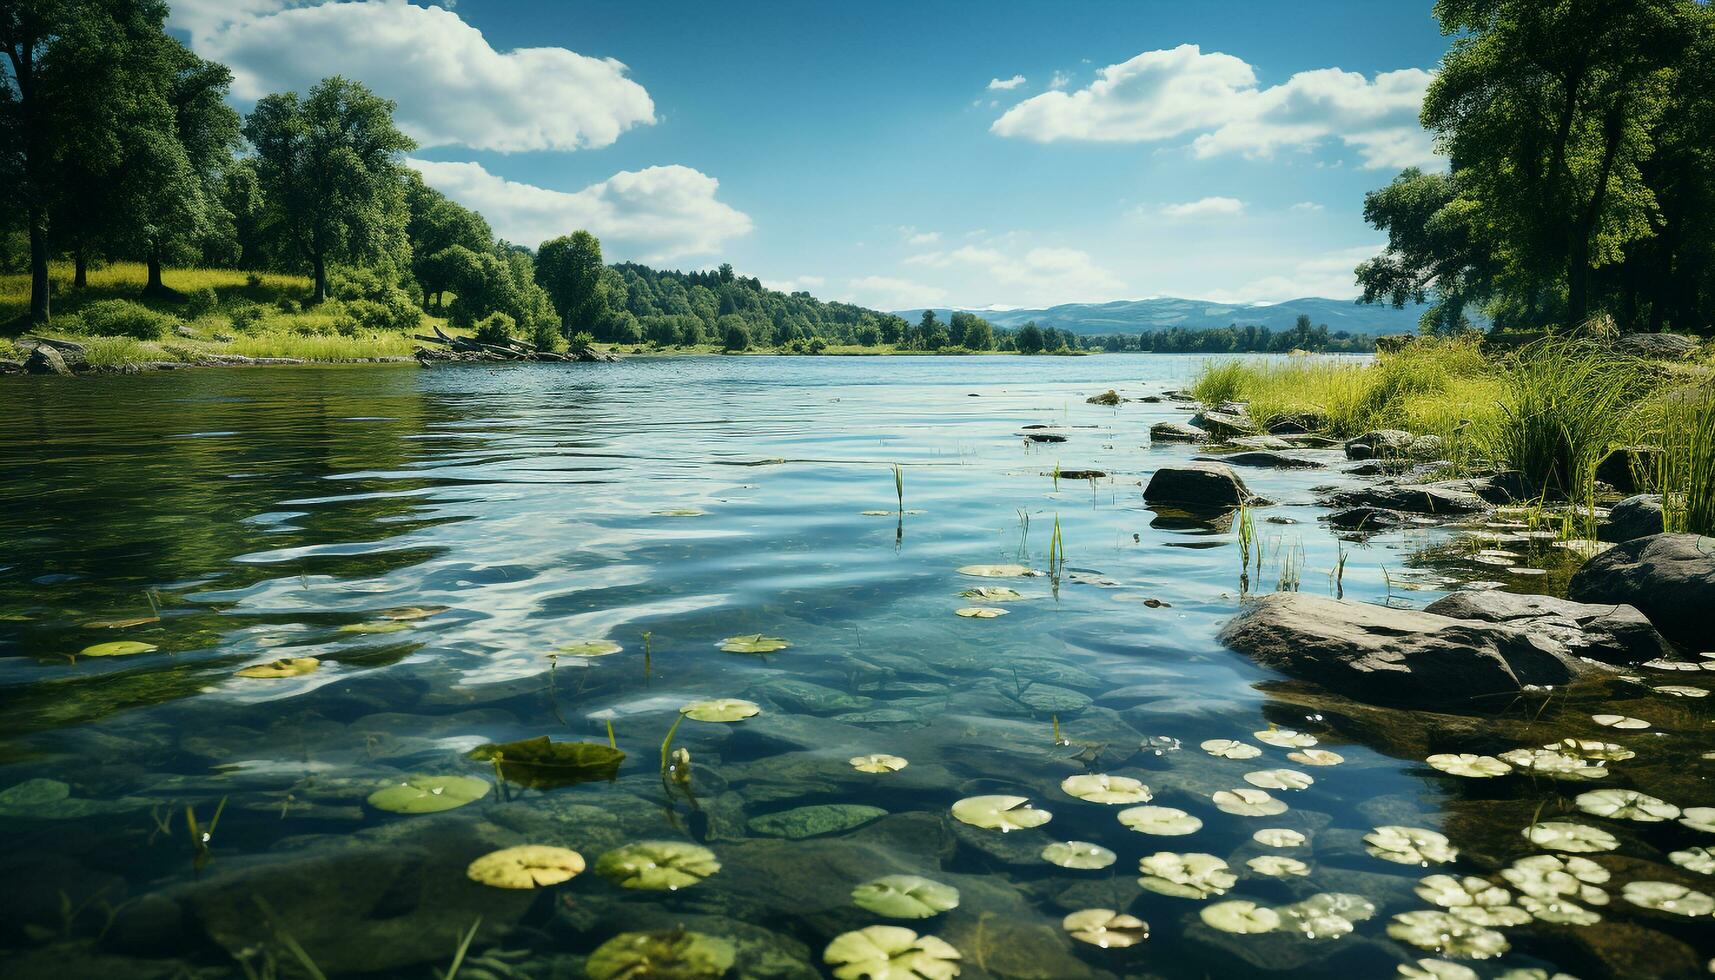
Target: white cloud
797,284
922,237
1204,207
1164,94
452,87
889,293
1005,84
654,214
1059,81
1329,274
1307,206
1040,276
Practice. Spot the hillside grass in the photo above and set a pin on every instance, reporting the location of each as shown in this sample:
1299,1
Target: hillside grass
278,325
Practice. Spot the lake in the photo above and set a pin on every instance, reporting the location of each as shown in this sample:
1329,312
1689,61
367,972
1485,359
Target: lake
440,548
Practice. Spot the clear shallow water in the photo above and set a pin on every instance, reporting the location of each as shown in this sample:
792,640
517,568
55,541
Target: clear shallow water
260,512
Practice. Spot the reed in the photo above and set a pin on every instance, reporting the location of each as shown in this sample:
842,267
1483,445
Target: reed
1686,464
1566,402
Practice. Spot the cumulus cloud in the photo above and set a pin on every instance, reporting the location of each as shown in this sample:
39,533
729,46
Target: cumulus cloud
1329,274
1165,94
915,237
1307,206
655,214
1005,84
1204,207
452,87
1031,277
891,293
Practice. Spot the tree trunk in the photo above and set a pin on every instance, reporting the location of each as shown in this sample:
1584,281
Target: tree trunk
80,278
321,292
39,306
154,286
1578,275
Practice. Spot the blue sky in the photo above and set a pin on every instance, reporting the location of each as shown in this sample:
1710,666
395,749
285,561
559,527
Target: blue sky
894,154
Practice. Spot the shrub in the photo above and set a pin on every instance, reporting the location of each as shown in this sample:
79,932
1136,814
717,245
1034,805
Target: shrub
245,316
736,337
286,305
1565,404
496,328
123,318
253,281
582,340
375,302
201,303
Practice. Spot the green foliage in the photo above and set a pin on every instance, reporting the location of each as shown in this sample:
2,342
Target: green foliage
735,336
201,303
582,340
121,318
569,270
1565,404
1222,382
1029,339
1686,473
497,328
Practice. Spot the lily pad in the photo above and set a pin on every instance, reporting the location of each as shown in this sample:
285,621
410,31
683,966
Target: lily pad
1592,749
1698,859
980,612
992,593
890,953
1195,875
905,897
676,953
406,614
1626,804
1409,845
1162,821
1285,738
1240,917
657,865
1558,911
1620,721
1279,779
1278,837
1102,788
1551,762
429,794
1316,757
543,764
998,571
1559,835
588,648
1665,896
878,763
1469,765
1449,935
376,626
291,667
1551,877
1247,803
1699,818
754,643
1451,892
1105,928
1328,915
1681,691
118,648
1276,866
1077,854
1429,969
526,866
1228,748
1002,813
720,709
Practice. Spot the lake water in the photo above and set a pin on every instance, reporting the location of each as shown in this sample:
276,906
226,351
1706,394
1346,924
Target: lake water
230,518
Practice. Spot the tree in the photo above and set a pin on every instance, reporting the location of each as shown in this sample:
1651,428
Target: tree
435,224
73,70
1029,339
328,168
735,336
979,335
1435,250
569,269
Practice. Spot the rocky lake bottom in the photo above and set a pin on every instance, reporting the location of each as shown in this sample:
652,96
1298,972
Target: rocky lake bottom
883,667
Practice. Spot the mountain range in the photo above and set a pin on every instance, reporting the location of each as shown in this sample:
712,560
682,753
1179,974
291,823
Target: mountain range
1164,313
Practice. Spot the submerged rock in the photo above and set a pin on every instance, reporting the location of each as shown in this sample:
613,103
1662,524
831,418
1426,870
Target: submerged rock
1197,485
1395,655
1633,517
1415,498
1615,634
1669,577
46,360
1265,458
1365,519
1382,443
1176,432
814,821
1109,397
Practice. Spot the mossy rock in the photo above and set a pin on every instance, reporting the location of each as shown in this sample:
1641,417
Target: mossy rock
814,821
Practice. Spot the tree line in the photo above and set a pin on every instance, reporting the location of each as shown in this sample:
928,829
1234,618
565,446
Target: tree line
1582,145
1250,338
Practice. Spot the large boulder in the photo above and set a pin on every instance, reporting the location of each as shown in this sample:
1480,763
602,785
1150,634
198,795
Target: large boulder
46,360
1667,346
1669,577
1384,443
1197,486
1614,634
1175,432
1633,517
1224,423
1399,656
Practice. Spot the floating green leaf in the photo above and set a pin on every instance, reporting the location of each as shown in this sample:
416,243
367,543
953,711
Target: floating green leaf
1239,916
588,648
1469,765
1077,854
1558,835
429,794
1105,928
980,612
1316,757
992,593
291,667
1247,803
1102,788
657,865
118,648
878,763
1279,779
543,764
678,954
377,626
754,643
1276,866
1328,915
998,571
1620,721
1665,896
1162,821
1443,933
1699,818
1227,748
890,953
720,709
526,866
905,897
1626,804
1285,738
1698,859
1192,875
1278,837
1002,813
1409,845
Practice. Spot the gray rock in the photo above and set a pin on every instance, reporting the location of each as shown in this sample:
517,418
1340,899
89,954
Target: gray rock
1295,424
1669,577
1264,458
1633,517
1382,443
1415,498
46,360
1365,519
814,821
1425,447
1224,423
1399,656
1197,485
1668,346
1261,442
1614,634
1175,432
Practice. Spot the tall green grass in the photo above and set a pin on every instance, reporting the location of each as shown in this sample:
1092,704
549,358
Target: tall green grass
1686,465
1566,402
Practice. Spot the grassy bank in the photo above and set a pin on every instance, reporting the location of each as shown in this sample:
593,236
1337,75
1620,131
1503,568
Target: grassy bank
218,312
1552,410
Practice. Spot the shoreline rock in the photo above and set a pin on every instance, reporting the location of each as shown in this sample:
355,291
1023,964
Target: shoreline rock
1613,634
1197,486
1670,578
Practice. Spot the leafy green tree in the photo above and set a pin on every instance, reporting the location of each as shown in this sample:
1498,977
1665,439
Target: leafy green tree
569,269
1436,250
328,165
437,223
735,335
978,335
1029,339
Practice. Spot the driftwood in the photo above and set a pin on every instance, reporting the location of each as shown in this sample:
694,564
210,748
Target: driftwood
452,348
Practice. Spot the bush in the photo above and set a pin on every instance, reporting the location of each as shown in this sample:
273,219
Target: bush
582,341
253,281
375,302
495,329
201,303
123,318
286,305
1565,404
245,316
736,337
